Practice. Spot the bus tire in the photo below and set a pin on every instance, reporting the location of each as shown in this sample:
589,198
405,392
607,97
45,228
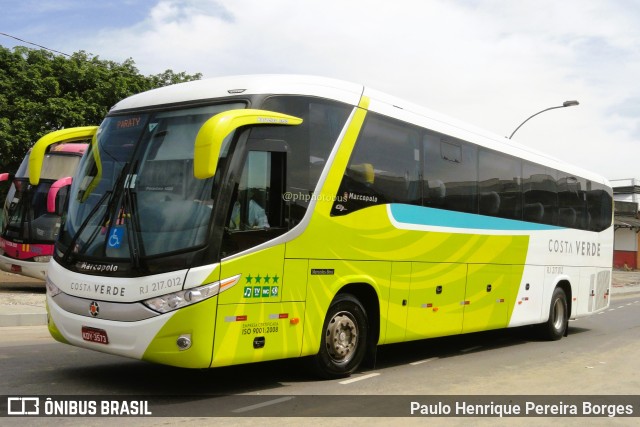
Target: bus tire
556,327
344,338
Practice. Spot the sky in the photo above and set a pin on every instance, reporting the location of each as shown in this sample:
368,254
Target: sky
491,63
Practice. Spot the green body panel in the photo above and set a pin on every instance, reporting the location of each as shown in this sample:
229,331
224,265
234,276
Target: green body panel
262,277
491,295
436,300
398,299
326,278
198,321
278,325
53,329
295,280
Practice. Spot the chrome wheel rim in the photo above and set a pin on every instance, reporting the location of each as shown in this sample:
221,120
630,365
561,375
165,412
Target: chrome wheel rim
558,314
341,338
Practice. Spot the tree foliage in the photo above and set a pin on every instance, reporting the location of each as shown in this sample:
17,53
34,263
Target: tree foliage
41,92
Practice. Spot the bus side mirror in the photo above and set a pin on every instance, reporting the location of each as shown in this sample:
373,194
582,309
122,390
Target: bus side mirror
36,158
5,177
53,192
208,143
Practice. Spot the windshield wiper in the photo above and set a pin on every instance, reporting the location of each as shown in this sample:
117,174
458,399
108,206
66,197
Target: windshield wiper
131,225
103,220
67,252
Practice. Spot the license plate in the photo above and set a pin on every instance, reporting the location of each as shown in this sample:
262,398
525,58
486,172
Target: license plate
94,335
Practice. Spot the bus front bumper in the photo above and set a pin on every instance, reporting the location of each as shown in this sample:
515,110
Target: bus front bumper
159,339
37,270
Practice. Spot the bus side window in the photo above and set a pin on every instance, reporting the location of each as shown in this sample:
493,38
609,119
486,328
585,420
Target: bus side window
499,184
450,174
540,194
572,202
383,168
309,145
256,212
599,203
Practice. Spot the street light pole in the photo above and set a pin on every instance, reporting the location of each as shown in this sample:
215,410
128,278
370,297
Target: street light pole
564,104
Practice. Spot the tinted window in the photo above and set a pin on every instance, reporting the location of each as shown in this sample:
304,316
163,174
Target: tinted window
540,194
384,167
450,174
308,144
572,201
499,185
599,205
459,176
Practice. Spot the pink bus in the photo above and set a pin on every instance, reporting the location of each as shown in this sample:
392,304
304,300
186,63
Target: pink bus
33,209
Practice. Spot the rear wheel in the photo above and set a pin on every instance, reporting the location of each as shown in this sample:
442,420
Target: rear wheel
556,327
344,338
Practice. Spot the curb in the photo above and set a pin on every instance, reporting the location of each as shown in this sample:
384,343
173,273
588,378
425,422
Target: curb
22,315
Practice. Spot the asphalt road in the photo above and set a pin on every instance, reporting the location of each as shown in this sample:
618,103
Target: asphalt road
599,357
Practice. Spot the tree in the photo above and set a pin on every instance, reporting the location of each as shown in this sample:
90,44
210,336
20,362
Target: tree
41,92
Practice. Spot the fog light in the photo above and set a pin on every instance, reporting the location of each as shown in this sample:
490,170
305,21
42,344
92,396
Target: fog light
184,342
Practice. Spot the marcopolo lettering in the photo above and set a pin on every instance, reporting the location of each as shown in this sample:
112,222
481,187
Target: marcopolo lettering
363,198
100,268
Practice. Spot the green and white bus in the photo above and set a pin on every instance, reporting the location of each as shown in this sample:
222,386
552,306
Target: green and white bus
253,218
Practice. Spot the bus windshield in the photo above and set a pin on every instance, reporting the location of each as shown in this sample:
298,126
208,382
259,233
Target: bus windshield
135,195
25,215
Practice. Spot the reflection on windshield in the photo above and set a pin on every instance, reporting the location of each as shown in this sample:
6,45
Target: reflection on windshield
56,166
135,194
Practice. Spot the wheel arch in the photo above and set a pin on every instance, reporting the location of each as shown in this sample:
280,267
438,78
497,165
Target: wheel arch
368,297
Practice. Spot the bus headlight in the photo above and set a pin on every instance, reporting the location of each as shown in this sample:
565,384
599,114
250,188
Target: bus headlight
42,258
176,300
52,289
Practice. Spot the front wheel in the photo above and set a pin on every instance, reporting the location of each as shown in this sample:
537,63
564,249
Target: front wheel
344,338
556,327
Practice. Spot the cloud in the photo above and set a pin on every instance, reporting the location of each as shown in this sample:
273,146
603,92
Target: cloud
492,62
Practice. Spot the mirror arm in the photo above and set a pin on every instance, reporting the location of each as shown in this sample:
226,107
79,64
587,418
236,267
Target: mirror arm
39,149
53,192
211,136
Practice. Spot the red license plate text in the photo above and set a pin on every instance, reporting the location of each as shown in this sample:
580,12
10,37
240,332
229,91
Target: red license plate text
94,335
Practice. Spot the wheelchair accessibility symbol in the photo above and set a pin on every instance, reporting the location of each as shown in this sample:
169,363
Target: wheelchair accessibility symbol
115,237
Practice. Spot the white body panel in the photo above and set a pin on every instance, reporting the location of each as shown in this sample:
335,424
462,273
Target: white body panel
37,270
121,341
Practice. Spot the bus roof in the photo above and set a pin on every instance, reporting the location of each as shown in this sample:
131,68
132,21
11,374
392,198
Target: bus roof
349,93
221,87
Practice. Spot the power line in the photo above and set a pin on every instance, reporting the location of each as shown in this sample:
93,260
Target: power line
34,44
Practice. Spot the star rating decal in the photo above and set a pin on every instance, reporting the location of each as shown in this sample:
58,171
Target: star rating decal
263,286
258,279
